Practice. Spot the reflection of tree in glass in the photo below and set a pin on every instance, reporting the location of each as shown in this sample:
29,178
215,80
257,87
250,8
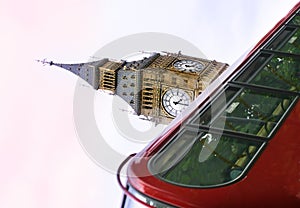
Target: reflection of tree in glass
293,45
213,171
255,110
280,73
296,20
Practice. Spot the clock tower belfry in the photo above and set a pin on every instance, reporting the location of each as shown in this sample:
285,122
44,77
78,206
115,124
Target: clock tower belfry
156,85
172,81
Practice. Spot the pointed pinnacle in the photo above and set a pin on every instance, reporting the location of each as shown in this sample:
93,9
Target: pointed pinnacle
44,62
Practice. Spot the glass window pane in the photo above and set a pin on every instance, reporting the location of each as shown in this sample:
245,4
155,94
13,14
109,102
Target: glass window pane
293,44
295,20
175,151
281,39
254,66
214,108
250,111
280,72
210,161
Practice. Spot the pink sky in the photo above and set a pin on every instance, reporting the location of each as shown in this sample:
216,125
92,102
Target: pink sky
42,162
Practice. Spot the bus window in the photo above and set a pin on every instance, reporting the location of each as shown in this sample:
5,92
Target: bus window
211,160
292,45
253,67
282,38
295,20
280,72
250,111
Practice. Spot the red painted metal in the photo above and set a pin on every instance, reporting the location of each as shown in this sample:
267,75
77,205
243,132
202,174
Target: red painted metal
273,181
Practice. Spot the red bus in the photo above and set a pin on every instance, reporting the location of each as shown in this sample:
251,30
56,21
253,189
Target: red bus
238,144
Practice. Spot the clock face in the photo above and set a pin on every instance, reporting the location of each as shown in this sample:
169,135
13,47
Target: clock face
188,65
175,101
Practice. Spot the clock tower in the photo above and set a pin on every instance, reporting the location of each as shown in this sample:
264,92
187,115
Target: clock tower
157,85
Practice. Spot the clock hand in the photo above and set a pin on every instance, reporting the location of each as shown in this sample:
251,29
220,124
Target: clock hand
179,102
183,104
188,65
175,103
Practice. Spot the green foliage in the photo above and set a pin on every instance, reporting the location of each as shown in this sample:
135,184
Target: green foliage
281,73
293,44
212,171
296,20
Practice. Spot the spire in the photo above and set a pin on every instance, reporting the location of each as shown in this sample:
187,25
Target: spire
87,71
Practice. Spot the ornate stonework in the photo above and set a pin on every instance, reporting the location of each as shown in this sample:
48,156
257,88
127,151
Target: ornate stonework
159,86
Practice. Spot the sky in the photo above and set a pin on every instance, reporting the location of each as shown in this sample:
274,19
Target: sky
43,162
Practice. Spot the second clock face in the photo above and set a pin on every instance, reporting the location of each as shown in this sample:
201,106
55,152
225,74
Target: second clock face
188,65
175,101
